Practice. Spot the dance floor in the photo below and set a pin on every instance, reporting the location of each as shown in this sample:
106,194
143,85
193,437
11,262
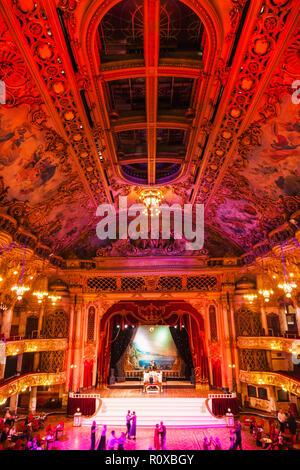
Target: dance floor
78,438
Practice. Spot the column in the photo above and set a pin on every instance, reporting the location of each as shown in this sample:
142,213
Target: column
264,320
77,346
2,359
19,364
41,319
13,403
228,360
6,322
69,358
32,399
36,361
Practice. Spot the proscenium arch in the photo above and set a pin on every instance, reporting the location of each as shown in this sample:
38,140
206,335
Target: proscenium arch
214,31
174,312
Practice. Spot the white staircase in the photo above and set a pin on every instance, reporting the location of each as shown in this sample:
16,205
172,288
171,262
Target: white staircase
150,410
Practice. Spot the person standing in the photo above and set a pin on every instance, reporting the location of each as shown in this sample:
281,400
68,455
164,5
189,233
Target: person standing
281,420
128,423
231,440
102,442
157,437
121,441
111,442
163,435
132,432
93,435
238,435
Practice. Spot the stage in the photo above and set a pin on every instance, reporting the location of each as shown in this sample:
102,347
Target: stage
176,408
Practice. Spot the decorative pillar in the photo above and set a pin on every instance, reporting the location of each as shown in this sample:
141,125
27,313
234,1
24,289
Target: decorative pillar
6,321
19,363
77,363
13,403
32,399
41,319
69,358
264,320
36,361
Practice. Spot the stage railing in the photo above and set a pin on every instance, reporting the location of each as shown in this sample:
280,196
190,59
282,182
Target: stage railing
140,374
222,395
84,395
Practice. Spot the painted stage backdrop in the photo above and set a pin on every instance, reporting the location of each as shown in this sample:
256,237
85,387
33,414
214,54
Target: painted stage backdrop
152,343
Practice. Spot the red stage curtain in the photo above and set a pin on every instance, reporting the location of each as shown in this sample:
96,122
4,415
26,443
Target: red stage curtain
220,406
87,406
216,373
88,374
196,337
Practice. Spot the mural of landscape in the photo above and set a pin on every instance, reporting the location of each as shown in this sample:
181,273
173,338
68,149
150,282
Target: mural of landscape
152,343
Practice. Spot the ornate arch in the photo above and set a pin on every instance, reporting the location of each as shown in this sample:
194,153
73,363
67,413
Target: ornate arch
159,313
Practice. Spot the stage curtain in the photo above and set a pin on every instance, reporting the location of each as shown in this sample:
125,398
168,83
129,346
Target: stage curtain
196,341
120,341
220,406
181,340
216,373
87,406
88,374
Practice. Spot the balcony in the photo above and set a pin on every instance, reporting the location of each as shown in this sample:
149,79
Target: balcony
21,383
274,379
21,346
270,343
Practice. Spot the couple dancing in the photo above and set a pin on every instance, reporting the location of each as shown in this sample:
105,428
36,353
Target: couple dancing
160,434
131,425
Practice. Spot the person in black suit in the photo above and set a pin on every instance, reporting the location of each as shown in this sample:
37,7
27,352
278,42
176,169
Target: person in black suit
238,435
93,435
163,435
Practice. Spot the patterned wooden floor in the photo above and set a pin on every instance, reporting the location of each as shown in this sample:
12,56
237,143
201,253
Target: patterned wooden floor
78,438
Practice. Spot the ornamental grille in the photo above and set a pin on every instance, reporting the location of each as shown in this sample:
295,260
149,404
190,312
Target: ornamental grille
56,325
52,361
202,283
102,283
151,284
248,323
133,283
213,324
169,283
91,325
253,359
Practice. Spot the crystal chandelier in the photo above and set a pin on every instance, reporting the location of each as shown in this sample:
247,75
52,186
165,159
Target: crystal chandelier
287,286
40,296
265,293
20,289
250,297
54,298
151,198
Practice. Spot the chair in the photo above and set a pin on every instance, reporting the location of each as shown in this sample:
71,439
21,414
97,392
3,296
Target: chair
262,422
35,425
60,428
48,428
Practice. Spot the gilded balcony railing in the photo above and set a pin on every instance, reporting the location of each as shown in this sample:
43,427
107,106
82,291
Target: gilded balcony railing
21,346
23,382
270,343
271,378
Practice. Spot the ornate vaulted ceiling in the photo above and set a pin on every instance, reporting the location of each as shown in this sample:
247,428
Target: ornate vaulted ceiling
105,97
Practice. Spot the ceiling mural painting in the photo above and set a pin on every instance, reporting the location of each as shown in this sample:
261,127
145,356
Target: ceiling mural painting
91,117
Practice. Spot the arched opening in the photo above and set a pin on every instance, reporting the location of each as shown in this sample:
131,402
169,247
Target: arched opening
173,314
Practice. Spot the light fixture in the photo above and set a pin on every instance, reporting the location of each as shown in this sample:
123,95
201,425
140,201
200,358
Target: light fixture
20,290
265,293
151,198
250,297
287,286
54,298
40,295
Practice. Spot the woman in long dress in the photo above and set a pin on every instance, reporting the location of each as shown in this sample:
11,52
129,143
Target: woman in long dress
157,438
132,432
102,442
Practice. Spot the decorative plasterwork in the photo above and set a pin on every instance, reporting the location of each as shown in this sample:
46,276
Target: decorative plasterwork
14,348
22,383
269,344
271,378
